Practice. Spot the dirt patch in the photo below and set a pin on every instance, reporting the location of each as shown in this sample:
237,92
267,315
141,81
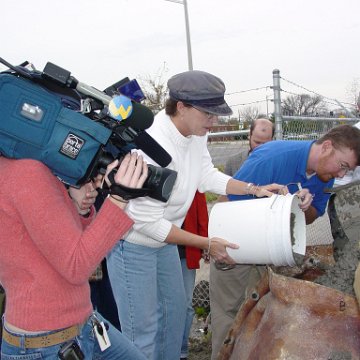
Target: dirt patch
200,341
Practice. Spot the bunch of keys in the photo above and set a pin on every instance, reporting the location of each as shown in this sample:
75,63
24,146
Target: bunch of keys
101,334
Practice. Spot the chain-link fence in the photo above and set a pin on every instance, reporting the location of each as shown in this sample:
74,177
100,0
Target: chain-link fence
225,144
308,128
201,295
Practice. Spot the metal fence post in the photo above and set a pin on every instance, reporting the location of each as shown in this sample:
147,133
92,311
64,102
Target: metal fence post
277,105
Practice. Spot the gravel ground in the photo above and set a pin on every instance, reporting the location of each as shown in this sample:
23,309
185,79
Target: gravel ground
200,341
341,275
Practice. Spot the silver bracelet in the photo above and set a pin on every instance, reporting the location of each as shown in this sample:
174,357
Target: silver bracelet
248,188
209,245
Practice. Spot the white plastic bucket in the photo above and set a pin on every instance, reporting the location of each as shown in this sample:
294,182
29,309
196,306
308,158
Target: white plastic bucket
267,230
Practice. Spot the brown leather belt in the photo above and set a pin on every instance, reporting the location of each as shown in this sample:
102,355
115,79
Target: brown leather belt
40,341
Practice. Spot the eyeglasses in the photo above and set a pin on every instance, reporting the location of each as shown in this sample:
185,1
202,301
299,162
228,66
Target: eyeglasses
208,115
343,167
342,164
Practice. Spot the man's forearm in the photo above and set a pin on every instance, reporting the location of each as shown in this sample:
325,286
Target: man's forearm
310,215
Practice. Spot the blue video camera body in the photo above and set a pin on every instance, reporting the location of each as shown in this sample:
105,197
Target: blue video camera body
42,117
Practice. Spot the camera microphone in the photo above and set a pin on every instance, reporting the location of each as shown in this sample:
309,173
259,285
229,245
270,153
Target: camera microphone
136,116
152,148
130,113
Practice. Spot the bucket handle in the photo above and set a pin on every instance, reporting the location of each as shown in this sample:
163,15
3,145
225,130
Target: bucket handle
277,195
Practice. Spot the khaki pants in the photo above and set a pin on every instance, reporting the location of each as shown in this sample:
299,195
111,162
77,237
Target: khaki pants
228,289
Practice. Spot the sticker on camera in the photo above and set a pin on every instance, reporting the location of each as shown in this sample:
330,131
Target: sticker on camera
72,146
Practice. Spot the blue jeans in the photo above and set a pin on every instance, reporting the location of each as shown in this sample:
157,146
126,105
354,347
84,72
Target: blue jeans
189,283
148,289
121,347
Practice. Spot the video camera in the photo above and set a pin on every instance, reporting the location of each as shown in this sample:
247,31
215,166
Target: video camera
77,130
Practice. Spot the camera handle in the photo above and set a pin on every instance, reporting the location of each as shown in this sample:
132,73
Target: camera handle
125,192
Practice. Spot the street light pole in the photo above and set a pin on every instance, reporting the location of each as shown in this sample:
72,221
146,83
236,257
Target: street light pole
188,43
187,28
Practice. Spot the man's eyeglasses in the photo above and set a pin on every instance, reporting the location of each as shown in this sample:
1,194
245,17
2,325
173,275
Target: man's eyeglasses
343,167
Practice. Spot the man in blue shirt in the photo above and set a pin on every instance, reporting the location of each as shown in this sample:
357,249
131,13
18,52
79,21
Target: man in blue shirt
287,162
313,164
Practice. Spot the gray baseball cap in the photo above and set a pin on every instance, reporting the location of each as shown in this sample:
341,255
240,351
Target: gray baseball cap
201,90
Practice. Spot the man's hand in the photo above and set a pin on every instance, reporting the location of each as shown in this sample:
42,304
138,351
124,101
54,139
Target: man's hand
306,199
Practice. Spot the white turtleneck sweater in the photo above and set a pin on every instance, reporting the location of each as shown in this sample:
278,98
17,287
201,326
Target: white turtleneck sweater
195,170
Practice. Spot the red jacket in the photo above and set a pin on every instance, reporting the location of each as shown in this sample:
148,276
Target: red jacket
196,222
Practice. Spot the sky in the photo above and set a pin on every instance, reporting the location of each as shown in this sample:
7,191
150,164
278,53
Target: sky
314,43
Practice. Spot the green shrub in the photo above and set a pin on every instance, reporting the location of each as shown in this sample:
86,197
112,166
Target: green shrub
201,312
211,197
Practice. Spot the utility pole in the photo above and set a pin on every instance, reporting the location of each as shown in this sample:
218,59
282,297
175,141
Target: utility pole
277,105
187,29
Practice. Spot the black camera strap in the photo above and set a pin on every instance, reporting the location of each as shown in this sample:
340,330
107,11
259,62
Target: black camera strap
128,193
125,192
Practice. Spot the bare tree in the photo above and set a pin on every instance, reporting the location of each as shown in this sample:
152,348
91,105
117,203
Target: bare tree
303,104
155,90
250,113
353,93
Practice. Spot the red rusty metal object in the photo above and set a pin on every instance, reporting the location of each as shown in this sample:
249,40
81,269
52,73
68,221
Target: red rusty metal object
294,319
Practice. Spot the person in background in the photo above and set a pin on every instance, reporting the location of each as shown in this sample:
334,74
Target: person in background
144,267
196,222
313,164
261,131
48,253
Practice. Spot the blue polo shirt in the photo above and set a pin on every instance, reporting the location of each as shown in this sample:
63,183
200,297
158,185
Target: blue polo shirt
283,162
